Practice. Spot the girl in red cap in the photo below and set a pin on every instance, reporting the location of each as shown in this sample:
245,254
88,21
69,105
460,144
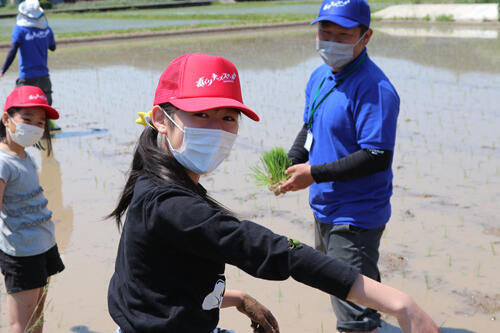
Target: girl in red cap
176,239
28,249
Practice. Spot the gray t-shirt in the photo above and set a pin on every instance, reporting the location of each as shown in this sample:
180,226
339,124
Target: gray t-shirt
26,228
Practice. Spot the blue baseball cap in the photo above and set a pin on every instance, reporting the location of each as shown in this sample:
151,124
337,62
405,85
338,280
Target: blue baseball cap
346,13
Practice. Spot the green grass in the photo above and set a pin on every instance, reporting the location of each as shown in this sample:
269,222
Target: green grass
271,170
445,18
142,15
110,3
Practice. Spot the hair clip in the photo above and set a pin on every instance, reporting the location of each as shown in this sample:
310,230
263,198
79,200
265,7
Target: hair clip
145,119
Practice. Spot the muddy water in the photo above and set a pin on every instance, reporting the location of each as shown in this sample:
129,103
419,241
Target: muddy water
442,244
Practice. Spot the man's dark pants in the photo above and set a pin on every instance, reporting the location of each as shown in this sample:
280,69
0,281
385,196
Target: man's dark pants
359,248
42,82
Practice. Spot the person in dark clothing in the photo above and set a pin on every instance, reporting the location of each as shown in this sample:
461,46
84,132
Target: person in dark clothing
32,36
176,239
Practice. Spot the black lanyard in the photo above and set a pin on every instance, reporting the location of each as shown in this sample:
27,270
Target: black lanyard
339,82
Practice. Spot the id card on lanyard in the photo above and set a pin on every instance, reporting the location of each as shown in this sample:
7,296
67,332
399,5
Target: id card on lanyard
314,106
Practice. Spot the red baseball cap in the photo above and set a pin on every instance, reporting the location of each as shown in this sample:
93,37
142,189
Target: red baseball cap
28,96
197,82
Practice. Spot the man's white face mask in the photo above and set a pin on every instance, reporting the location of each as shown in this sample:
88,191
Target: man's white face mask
336,55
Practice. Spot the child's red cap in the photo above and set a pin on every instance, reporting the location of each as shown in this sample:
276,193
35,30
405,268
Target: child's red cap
29,96
198,82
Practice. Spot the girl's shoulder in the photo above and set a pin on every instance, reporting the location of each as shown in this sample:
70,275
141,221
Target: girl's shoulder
145,185
6,158
149,191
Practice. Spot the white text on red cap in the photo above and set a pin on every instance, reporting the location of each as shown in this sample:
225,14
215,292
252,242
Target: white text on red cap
207,82
38,96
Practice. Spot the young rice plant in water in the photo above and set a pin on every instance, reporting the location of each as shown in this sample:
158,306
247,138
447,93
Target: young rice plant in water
271,170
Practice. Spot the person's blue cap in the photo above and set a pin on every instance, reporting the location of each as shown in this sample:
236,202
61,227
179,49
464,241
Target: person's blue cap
346,13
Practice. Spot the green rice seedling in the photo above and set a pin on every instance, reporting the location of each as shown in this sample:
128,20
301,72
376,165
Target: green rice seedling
271,170
493,249
429,250
34,323
280,295
427,282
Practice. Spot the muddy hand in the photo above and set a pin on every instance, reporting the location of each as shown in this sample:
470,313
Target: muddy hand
301,178
414,320
262,319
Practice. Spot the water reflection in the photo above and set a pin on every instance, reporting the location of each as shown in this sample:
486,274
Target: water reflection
444,47
440,32
265,49
62,215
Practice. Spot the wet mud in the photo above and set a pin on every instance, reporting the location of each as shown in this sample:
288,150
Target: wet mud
442,244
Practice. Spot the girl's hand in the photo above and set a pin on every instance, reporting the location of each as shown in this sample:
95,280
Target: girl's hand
412,319
262,319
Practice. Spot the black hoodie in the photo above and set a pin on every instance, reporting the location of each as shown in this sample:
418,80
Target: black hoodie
169,271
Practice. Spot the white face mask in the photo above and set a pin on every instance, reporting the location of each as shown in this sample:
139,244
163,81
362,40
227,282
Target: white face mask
25,135
202,149
336,55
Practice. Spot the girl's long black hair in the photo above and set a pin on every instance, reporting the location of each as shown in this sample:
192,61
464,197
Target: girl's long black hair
157,163
45,138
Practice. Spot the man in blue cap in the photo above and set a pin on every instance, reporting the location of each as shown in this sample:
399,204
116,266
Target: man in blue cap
344,151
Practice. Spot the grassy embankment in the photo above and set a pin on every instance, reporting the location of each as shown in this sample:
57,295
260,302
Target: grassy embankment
239,13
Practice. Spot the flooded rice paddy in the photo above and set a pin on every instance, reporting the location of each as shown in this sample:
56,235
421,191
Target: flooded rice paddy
82,25
442,244
162,18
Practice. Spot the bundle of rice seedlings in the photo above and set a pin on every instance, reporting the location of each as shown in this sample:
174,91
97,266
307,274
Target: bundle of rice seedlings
270,171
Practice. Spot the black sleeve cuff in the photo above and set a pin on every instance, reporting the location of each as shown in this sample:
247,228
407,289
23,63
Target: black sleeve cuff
297,153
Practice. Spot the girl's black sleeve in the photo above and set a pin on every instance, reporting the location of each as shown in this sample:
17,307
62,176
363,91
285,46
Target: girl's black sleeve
11,55
361,163
189,224
297,153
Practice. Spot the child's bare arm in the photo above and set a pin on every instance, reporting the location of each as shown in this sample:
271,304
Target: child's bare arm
411,318
262,319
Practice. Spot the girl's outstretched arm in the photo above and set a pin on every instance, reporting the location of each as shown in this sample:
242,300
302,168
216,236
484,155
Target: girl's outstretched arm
262,319
411,318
